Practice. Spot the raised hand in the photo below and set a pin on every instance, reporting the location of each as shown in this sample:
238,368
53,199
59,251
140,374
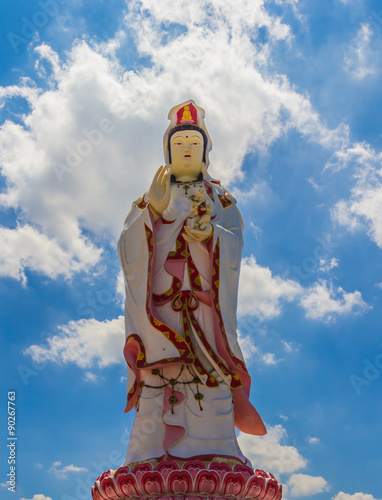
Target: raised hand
159,194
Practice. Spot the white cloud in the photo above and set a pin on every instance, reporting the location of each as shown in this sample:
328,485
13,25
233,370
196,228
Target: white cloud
313,440
243,16
260,293
367,205
363,209
304,485
294,6
26,248
269,359
37,496
283,417
61,137
327,265
342,214
267,452
84,342
356,496
248,347
290,346
360,60
314,184
323,302
62,472
256,229
26,89
46,54
120,289
90,377
360,154
251,352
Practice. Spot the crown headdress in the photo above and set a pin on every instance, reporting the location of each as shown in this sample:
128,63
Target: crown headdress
187,116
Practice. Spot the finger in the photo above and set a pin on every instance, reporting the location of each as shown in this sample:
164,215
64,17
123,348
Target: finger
168,172
186,238
200,235
197,232
164,176
161,175
167,180
197,237
190,235
157,174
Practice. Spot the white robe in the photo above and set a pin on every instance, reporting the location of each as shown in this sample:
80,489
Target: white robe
206,275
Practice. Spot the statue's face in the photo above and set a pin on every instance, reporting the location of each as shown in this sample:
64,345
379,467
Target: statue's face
186,154
200,193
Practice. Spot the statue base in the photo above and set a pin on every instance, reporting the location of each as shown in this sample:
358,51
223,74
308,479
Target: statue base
193,479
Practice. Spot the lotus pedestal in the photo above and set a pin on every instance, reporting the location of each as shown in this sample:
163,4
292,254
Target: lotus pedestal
194,479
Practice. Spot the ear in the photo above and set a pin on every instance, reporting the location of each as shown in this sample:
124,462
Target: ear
203,169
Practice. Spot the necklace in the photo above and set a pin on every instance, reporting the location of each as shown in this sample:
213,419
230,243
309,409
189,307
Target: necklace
186,184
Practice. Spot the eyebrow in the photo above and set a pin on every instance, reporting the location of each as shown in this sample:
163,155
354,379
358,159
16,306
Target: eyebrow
182,137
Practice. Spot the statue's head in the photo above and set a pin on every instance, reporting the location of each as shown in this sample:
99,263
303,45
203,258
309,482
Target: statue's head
187,154
186,142
200,193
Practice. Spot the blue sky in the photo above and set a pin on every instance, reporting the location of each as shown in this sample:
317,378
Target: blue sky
292,97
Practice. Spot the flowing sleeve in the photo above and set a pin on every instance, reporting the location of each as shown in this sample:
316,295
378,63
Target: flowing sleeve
226,251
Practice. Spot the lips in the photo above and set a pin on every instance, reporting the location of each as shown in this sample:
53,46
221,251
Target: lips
187,156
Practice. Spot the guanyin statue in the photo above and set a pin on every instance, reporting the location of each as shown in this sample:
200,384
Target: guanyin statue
187,379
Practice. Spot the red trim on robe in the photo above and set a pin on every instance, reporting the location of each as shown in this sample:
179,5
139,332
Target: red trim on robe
247,418
224,200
